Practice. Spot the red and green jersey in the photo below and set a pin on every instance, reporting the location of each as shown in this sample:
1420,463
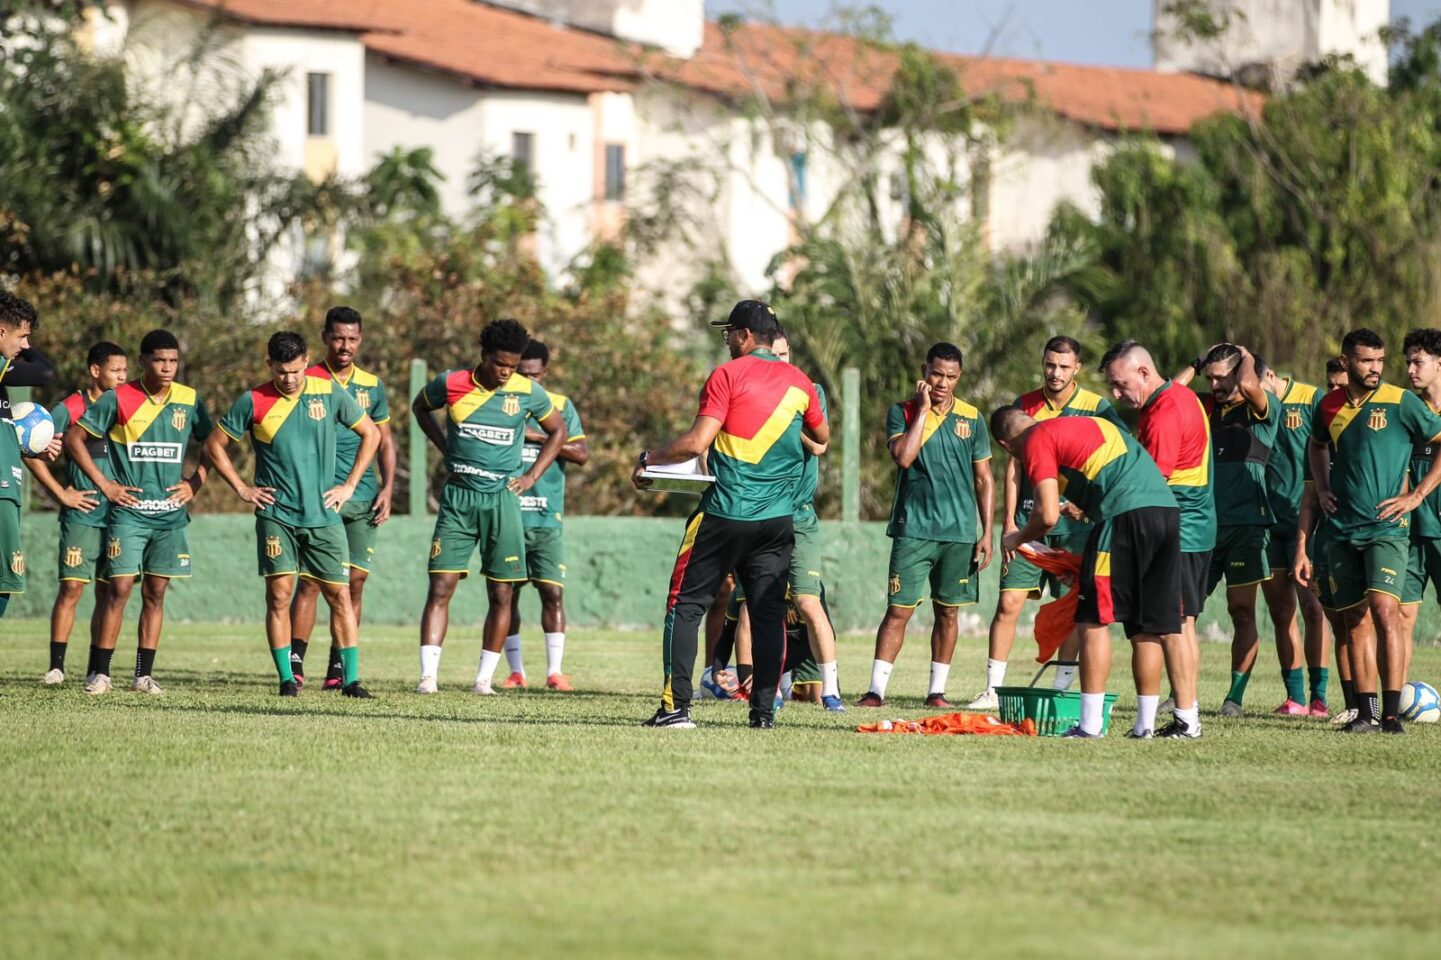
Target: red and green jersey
148,437
1286,470
1097,465
65,414
485,429
757,458
1374,440
1173,429
811,471
935,496
12,473
1081,403
1425,519
543,505
295,440
1241,442
368,392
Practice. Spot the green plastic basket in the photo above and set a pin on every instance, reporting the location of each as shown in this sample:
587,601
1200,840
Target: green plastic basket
1053,711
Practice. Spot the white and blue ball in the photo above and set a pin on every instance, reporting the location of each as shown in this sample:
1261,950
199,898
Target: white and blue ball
1420,703
33,427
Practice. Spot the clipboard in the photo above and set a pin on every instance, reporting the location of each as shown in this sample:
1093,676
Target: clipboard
678,478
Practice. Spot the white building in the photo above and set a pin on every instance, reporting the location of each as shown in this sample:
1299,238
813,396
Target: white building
588,91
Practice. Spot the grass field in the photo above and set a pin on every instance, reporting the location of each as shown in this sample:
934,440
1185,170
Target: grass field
221,822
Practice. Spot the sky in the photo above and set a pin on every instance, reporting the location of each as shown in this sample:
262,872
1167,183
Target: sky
1107,32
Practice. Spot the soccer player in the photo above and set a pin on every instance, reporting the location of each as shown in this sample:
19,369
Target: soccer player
941,447
364,512
542,511
1131,566
298,528
486,411
1423,367
1059,396
148,424
20,366
1285,488
1335,374
82,511
1373,428
1174,430
1243,423
753,412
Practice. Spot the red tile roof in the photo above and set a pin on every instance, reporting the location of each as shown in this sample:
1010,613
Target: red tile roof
491,46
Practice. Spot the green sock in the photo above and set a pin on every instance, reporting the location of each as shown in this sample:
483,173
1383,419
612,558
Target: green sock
1238,686
1318,676
350,664
282,663
1295,686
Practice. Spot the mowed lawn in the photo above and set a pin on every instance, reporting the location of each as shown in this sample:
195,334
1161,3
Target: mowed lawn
220,822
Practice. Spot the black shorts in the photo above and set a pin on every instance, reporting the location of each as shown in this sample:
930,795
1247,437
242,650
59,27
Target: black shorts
1195,582
1131,572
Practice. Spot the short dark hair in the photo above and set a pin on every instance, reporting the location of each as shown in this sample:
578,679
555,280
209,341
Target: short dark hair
536,350
1262,367
504,336
1334,365
342,315
103,351
1427,340
1223,353
1117,351
285,346
158,340
16,310
1005,420
1063,344
1361,337
945,351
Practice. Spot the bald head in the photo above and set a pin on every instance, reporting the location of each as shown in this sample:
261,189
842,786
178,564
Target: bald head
1131,372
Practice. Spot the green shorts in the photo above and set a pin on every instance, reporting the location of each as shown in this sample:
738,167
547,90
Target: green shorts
469,520
1023,575
949,569
1239,557
806,672
12,549
361,533
132,549
1423,565
1281,549
545,555
78,551
1374,566
317,553
806,557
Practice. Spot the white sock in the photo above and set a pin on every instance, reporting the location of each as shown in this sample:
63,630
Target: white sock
1065,675
554,651
1093,706
995,673
1146,705
880,676
488,663
939,672
512,654
429,661
1191,716
787,679
830,681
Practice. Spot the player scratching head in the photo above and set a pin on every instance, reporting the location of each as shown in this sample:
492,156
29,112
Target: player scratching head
1363,354
288,358
501,344
1222,369
939,376
342,336
535,361
1131,372
17,320
1060,362
108,366
159,360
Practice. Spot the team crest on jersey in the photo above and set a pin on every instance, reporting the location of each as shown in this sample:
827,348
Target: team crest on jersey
895,584
177,418
1293,419
315,409
963,428
112,549
511,405
17,563
362,397
434,549
74,556
272,547
1377,419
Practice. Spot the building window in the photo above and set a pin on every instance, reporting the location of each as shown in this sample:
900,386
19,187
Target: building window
798,181
522,150
615,171
317,119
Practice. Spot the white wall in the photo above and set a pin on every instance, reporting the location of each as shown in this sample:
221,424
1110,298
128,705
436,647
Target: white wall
1042,162
296,53
676,26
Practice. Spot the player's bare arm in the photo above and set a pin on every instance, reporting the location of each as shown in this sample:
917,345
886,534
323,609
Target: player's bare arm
337,496
1010,499
1399,506
986,501
386,458
116,493
693,443
215,445
905,448
67,496
1044,517
554,428
425,416
1320,460
1306,522
1250,385
185,491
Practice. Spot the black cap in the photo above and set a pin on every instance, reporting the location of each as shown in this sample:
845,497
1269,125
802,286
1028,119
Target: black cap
752,315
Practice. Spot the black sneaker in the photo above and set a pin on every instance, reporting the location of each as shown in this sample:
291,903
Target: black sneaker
676,719
1392,725
289,688
761,720
357,691
1362,725
1176,730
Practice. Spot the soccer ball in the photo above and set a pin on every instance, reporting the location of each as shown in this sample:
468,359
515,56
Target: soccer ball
33,427
1420,702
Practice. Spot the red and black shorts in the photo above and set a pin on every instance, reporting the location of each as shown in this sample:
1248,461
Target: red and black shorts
1131,572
